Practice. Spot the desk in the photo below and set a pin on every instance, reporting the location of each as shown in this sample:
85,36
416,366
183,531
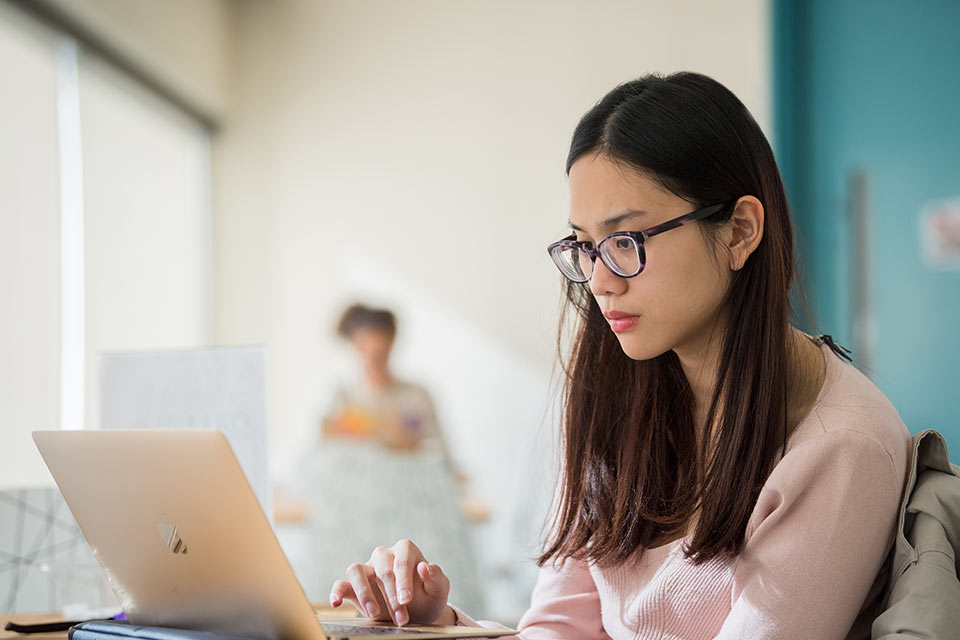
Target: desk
31,618
323,609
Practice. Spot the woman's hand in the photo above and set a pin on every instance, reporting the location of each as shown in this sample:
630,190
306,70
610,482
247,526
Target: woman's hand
397,584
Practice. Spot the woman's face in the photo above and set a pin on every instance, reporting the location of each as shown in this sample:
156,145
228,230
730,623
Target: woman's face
373,346
675,302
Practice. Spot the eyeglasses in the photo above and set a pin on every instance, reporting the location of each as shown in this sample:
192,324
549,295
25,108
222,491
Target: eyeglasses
622,252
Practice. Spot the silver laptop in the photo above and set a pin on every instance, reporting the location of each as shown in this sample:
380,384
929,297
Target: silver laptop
183,541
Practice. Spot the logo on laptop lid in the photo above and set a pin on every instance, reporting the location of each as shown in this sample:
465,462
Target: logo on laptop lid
168,532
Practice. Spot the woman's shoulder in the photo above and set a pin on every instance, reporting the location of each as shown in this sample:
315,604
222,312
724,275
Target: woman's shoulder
852,411
852,448
408,388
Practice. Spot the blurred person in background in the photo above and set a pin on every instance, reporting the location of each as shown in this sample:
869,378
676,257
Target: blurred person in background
377,459
399,415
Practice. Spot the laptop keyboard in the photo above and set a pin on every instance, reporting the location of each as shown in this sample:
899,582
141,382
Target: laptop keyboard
352,630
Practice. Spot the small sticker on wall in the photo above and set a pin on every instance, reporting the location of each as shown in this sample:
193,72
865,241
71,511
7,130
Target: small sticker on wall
940,235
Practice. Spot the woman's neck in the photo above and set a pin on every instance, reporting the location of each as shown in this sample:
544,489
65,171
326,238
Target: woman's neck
701,361
805,379
378,378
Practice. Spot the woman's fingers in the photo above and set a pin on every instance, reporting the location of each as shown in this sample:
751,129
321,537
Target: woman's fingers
406,556
343,590
363,589
397,583
435,582
383,562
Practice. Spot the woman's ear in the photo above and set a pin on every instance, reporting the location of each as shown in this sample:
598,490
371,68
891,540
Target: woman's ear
746,230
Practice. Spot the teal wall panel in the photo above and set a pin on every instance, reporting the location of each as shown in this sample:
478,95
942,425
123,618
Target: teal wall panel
874,87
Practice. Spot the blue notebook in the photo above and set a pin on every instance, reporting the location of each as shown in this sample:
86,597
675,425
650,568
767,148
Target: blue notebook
117,630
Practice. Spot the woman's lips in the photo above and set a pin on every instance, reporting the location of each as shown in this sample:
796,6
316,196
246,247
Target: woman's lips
620,321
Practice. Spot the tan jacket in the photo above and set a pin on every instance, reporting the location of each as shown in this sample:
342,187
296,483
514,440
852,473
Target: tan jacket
923,597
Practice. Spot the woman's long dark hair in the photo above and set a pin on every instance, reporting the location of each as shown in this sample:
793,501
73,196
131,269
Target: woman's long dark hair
633,469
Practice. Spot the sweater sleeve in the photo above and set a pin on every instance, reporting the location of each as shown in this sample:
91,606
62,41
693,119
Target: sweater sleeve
565,605
822,527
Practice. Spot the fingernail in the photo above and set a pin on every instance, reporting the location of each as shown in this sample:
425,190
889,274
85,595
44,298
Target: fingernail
404,596
372,610
333,600
402,618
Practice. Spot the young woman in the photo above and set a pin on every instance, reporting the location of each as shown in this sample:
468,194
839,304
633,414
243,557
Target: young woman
724,475
397,414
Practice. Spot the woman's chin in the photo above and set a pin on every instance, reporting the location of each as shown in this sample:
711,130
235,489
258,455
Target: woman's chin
636,348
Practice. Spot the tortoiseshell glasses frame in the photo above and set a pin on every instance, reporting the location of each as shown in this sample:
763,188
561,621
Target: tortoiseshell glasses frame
621,252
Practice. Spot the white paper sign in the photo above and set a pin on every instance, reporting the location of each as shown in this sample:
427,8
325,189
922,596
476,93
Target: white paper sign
940,234
222,389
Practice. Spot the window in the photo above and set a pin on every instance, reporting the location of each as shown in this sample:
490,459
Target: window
29,244
104,231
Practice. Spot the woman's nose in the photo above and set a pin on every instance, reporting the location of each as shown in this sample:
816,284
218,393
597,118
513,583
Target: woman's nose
605,282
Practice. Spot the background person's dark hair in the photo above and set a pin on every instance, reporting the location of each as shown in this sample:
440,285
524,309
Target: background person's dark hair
634,473
359,316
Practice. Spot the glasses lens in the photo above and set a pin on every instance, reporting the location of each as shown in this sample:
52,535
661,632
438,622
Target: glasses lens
572,262
621,254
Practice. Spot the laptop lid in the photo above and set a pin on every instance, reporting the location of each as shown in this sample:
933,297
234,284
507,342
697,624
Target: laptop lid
178,531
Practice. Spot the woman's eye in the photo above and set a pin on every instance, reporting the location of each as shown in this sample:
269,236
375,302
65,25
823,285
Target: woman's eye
624,243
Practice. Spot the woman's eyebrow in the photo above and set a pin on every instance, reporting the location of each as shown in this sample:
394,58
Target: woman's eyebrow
615,220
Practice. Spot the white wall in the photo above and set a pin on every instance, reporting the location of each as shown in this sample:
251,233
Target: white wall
412,153
183,43
404,133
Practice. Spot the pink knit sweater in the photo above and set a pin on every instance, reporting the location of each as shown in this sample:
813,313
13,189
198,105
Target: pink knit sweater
813,563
